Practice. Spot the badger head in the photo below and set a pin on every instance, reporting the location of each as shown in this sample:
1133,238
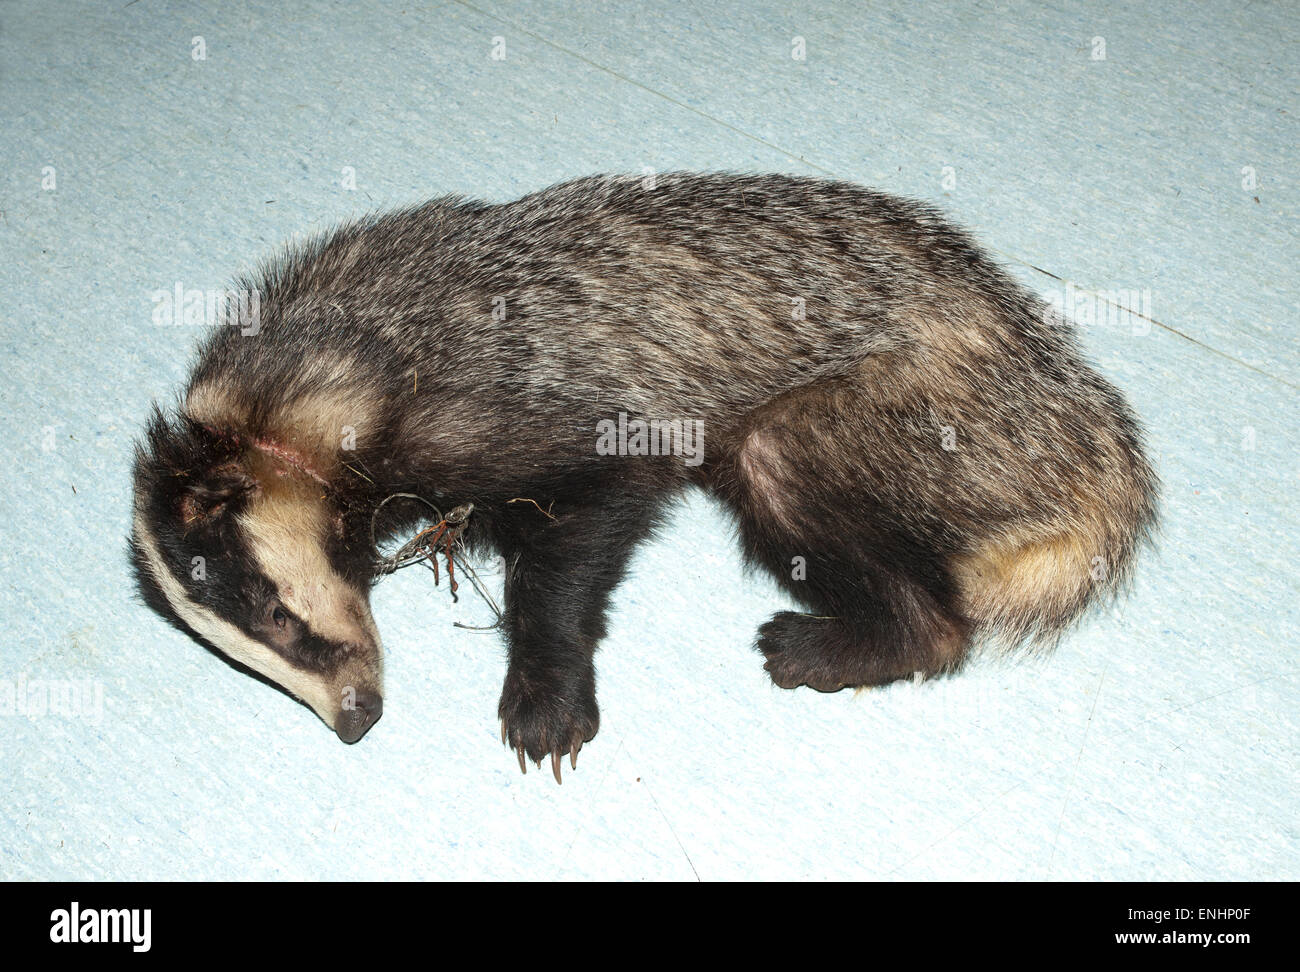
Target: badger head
246,549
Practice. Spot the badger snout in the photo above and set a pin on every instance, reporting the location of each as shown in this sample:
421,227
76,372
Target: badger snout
355,721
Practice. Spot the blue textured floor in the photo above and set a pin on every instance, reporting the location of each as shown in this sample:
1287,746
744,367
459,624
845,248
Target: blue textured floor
1159,741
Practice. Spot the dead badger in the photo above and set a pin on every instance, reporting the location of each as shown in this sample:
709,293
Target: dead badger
910,443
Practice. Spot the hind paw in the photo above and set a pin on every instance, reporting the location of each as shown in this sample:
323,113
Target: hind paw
798,652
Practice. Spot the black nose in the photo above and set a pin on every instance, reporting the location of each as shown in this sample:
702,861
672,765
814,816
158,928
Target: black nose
355,722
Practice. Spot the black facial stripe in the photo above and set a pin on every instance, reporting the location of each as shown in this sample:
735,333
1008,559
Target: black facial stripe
312,653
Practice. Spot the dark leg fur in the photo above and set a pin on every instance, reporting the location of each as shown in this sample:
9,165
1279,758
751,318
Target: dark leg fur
880,600
870,624
558,583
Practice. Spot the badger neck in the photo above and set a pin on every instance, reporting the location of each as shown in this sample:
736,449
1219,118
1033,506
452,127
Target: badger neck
291,461
337,444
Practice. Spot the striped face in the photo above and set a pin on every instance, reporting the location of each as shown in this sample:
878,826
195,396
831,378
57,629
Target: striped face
249,559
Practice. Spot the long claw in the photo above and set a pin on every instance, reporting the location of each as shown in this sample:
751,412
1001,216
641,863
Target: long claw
555,766
503,732
523,767
573,756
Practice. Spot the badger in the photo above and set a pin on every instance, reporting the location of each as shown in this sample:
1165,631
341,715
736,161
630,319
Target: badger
910,442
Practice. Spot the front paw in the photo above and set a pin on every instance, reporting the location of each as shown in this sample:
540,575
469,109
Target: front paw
548,715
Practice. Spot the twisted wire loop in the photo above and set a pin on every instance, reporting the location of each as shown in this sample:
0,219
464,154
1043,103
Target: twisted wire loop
444,536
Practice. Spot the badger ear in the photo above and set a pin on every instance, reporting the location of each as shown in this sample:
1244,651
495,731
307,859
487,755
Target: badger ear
214,492
191,476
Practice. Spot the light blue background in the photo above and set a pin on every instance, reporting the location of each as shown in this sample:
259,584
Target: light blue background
1158,742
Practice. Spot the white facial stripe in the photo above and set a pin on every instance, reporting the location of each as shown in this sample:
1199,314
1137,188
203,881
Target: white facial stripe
285,531
312,689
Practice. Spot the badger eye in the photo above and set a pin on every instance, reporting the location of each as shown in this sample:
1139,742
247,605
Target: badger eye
277,625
